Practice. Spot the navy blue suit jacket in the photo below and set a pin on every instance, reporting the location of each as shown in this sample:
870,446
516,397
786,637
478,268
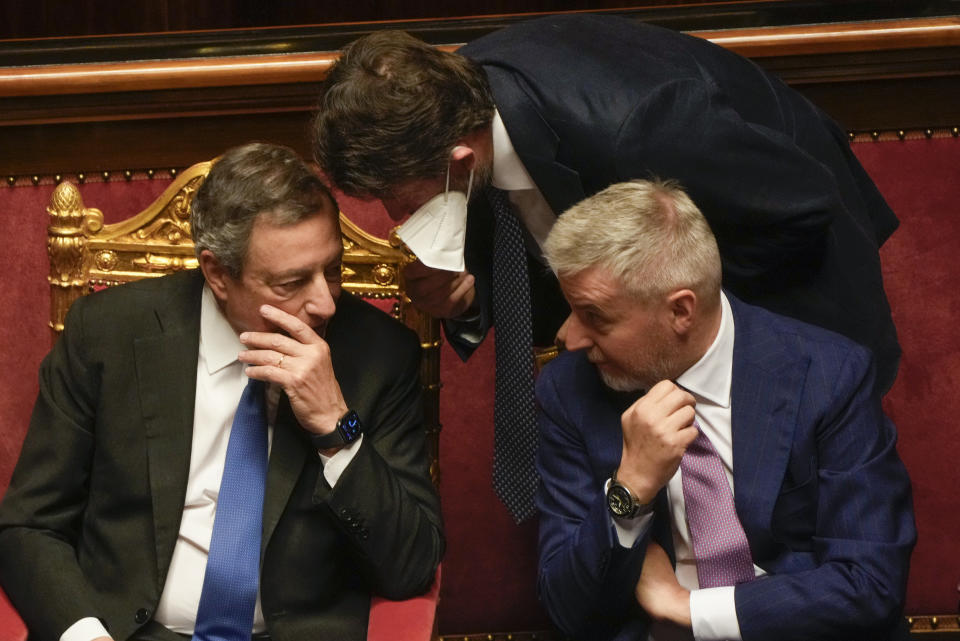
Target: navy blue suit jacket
820,490
590,101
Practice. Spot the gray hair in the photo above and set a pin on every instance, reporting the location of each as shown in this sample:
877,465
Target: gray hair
647,233
246,182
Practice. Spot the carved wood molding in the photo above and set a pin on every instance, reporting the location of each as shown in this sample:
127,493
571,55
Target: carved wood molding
297,68
845,37
942,627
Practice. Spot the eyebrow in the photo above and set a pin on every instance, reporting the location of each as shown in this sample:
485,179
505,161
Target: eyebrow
291,273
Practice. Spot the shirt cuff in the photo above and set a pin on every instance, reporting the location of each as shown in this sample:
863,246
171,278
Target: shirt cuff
86,629
333,466
713,614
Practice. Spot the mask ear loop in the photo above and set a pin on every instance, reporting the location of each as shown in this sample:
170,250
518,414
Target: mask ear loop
469,183
446,190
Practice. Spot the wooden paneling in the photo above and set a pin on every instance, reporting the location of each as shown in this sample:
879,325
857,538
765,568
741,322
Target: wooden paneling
199,95
45,18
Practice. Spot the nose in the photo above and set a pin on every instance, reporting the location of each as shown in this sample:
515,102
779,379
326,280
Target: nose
574,335
320,301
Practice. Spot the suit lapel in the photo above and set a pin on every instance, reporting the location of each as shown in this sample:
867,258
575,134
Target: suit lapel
166,362
535,142
767,381
287,457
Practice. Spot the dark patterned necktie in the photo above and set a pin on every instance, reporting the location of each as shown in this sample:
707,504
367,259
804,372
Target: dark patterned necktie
232,577
514,413
719,543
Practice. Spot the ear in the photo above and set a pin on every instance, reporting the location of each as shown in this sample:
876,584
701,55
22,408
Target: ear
215,274
682,309
464,155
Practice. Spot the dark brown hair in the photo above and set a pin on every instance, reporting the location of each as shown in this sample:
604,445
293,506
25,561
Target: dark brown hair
391,110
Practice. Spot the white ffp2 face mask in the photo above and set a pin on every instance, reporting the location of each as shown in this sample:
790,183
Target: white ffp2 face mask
436,232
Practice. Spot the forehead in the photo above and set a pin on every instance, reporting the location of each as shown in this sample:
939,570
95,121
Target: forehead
307,244
594,286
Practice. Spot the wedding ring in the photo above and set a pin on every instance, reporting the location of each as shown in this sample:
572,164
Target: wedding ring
280,362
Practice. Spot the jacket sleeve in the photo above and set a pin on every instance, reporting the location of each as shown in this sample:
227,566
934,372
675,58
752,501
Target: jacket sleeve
385,501
859,508
41,514
586,580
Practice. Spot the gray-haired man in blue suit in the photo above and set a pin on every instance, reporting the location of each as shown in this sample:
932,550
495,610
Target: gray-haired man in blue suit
661,358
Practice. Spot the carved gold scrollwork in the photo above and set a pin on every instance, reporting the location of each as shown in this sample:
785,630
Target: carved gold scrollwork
166,230
180,205
154,263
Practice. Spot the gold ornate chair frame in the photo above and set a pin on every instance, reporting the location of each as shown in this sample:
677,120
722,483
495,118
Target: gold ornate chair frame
85,255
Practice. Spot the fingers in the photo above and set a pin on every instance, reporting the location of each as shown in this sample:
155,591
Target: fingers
666,405
289,323
439,292
657,429
671,395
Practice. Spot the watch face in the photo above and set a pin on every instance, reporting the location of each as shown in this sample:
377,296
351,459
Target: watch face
350,427
619,501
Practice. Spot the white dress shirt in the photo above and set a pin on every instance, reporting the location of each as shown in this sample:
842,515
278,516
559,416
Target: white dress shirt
510,175
712,610
220,383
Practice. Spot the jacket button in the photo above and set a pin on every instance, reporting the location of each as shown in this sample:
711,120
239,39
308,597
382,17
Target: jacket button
142,615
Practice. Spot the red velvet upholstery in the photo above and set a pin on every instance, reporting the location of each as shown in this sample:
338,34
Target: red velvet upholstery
919,179
490,567
11,625
410,620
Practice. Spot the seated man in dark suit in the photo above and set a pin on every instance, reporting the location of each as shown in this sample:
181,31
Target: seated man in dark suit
710,470
227,451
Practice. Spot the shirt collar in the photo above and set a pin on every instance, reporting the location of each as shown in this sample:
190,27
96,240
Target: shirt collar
509,173
219,343
710,377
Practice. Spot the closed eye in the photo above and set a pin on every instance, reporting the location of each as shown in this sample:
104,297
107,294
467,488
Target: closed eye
288,286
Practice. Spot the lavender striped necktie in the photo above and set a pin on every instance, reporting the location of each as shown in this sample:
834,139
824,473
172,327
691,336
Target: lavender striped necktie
719,543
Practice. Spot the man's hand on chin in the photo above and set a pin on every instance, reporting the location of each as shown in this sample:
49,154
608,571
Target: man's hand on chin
300,364
659,593
440,293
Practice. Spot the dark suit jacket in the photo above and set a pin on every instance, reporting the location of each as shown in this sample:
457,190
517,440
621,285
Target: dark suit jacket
823,497
593,100
89,523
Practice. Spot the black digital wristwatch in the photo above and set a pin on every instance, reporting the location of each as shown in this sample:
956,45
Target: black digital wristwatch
348,430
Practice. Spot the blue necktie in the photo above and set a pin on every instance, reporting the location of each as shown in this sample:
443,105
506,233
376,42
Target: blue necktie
514,410
232,577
